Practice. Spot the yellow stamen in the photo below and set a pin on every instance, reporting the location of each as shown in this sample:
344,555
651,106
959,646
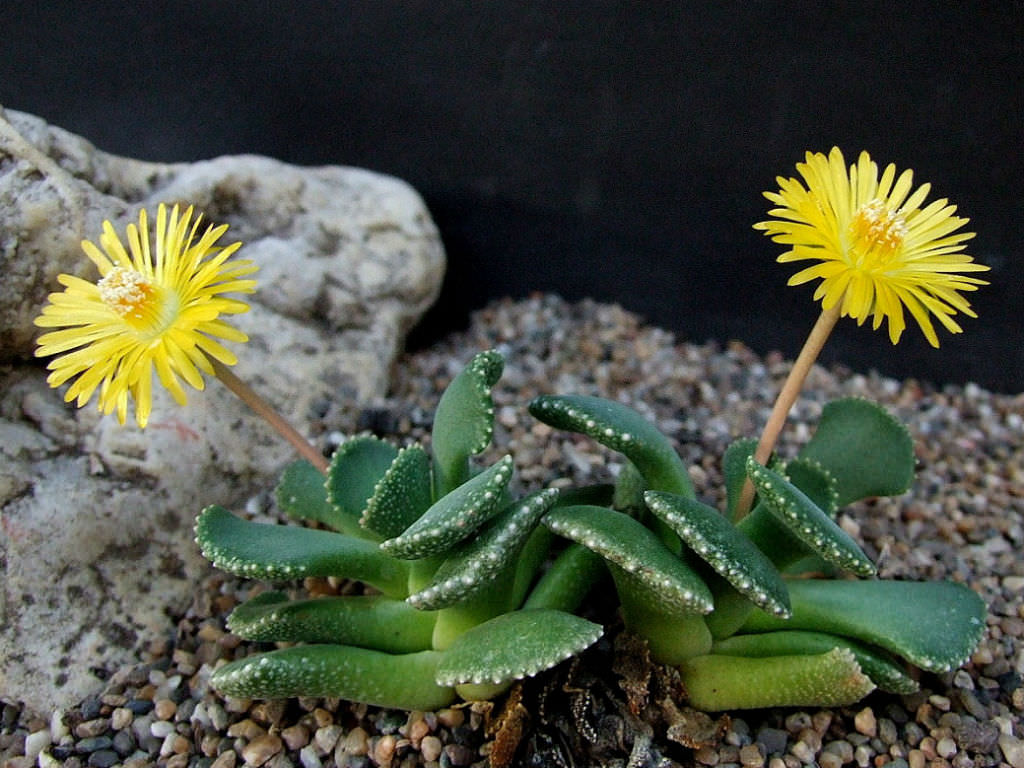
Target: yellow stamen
126,291
879,232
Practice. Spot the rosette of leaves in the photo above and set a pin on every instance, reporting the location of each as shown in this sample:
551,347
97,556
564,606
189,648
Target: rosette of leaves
449,557
781,607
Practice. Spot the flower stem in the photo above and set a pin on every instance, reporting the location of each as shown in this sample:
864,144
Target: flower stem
262,408
787,396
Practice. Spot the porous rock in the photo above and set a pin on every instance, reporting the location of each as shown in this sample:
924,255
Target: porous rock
97,518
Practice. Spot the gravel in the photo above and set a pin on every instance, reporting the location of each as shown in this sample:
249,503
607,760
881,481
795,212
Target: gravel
963,520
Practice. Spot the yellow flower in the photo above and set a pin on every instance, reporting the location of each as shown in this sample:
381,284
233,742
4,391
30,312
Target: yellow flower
879,250
148,310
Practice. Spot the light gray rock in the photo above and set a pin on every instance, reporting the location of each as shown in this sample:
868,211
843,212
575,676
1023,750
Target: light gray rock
97,542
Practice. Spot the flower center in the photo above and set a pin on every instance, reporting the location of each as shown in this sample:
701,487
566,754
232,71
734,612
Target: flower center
134,298
878,231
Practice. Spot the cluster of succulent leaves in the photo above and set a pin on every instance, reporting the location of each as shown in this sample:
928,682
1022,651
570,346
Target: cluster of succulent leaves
474,588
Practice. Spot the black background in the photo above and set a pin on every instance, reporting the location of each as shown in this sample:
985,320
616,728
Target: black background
616,150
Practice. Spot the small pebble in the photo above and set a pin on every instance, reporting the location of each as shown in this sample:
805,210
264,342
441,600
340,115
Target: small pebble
384,749
140,706
941,703
327,737
773,739
706,755
451,718
309,758
37,742
751,756
865,722
164,709
430,748
95,744
459,754
260,750
295,737
121,718
225,760
58,728
161,729
355,743
91,728
124,743
946,747
103,758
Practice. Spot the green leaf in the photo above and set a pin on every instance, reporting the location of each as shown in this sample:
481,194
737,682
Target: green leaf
566,583
816,483
624,542
934,625
864,448
479,561
404,681
401,496
267,551
454,517
302,493
714,683
515,645
886,673
464,420
805,520
367,621
734,471
356,468
735,557
622,429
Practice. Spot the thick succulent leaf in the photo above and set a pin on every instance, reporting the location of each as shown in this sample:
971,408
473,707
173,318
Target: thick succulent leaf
734,471
401,496
831,679
888,674
807,521
816,483
624,542
455,516
368,621
515,645
302,493
629,489
735,557
622,429
399,681
867,451
356,468
464,420
479,561
935,625
267,551
566,583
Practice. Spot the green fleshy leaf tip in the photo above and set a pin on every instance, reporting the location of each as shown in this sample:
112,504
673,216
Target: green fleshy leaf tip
455,516
515,645
735,557
485,557
807,521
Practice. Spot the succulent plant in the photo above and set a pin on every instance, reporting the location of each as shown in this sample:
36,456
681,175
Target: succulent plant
755,612
462,603
451,557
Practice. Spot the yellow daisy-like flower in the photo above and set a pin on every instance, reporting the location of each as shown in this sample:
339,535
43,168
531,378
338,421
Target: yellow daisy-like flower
148,310
879,250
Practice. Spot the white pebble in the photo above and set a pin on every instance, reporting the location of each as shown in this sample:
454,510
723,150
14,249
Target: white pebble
161,729
58,729
309,758
37,742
